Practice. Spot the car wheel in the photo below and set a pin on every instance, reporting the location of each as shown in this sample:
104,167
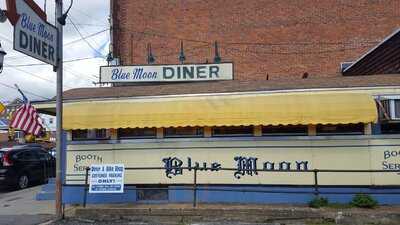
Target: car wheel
23,181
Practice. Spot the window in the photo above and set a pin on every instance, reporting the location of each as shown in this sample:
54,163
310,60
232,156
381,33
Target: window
396,106
152,194
232,131
289,130
340,129
390,128
128,133
389,108
19,134
44,156
93,134
27,156
184,132
79,134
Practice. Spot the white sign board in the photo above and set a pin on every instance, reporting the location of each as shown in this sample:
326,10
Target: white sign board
33,36
106,178
166,73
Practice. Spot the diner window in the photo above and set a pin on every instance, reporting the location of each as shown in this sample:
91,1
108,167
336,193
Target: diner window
92,134
340,129
289,130
232,131
132,133
183,132
390,128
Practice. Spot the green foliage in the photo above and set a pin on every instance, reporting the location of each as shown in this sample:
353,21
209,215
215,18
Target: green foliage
363,201
318,202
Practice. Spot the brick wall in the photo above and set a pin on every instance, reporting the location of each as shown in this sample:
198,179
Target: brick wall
283,39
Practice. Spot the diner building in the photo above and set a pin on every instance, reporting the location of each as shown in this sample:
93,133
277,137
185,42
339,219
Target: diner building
257,101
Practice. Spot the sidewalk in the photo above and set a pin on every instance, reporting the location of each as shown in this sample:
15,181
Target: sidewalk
233,213
20,207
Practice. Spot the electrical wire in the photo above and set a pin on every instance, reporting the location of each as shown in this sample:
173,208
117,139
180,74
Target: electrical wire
89,24
25,91
73,73
36,76
45,64
84,39
83,31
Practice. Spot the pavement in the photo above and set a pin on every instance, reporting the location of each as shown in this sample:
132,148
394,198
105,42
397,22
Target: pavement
21,208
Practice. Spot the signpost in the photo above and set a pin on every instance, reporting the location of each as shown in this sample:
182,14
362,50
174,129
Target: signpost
33,36
107,178
166,73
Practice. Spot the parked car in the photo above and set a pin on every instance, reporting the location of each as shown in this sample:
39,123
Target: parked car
21,166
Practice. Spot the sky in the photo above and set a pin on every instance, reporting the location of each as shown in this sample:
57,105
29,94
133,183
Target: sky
82,57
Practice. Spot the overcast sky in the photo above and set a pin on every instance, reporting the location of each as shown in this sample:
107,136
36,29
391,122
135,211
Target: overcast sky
90,17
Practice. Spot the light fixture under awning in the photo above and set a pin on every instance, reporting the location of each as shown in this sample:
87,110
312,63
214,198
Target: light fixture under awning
223,110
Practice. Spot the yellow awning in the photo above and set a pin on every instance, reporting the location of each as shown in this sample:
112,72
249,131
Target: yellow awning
222,110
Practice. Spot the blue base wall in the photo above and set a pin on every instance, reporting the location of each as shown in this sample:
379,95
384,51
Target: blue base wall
75,195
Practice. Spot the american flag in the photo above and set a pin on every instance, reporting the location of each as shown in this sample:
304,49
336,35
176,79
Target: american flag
26,118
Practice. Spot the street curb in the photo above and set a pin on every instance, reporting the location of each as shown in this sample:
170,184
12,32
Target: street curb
245,214
198,215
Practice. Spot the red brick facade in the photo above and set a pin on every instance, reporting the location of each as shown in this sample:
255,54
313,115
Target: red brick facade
283,39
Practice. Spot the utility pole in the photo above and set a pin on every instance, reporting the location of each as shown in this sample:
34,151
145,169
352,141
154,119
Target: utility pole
59,110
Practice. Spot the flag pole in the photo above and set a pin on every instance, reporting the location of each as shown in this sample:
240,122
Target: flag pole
22,93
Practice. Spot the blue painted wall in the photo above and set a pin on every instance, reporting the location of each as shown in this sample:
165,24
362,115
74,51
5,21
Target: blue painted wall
75,194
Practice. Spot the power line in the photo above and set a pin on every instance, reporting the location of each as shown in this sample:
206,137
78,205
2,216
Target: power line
90,24
84,39
77,76
6,38
25,91
85,14
36,76
45,64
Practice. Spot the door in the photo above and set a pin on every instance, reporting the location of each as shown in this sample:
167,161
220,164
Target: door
29,163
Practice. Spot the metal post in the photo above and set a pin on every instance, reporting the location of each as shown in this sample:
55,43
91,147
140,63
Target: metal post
86,188
316,191
59,9
195,187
